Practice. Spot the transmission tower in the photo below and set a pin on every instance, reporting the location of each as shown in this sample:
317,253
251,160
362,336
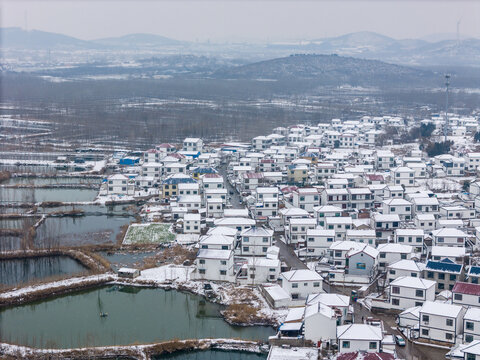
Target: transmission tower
447,83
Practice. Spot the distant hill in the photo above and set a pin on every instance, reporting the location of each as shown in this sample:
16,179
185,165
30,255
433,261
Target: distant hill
138,40
370,45
17,38
330,70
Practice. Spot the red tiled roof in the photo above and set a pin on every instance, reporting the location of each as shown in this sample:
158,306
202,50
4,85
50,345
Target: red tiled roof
212,176
375,177
466,288
253,175
288,189
165,145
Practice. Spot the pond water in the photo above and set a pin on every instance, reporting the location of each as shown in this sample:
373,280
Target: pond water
41,181
212,355
32,195
8,242
134,315
18,223
126,259
19,271
121,209
77,231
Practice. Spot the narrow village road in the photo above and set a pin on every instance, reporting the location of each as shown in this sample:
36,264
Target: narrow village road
235,198
288,255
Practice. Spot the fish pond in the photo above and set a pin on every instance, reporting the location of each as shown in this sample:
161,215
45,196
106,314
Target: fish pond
212,355
21,271
78,231
34,195
135,315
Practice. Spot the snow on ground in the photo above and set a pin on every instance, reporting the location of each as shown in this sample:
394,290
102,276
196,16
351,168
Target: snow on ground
54,285
167,273
149,233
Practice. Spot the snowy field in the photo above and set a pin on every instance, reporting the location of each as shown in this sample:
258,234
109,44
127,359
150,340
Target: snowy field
150,233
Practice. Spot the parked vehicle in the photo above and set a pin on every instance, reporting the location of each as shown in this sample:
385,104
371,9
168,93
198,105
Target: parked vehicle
399,340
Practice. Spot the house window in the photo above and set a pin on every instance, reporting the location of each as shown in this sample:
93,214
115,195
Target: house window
201,261
346,344
361,266
448,336
395,290
223,262
372,345
458,297
425,318
469,339
469,325
201,271
425,332
246,249
449,322
294,285
223,272
419,293
316,284
395,301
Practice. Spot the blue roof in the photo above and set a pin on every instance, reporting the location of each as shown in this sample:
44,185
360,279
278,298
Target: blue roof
205,170
446,266
175,181
474,270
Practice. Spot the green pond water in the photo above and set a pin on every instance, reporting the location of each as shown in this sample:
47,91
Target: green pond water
134,315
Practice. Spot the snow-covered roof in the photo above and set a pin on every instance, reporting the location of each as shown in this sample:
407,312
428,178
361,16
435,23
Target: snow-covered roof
359,332
472,314
216,240
330,299
222,230
413,282
321,308
214,254
448,251
409,232
257,231
301,275
440,309
280,353
395,248
234,221
407,265
448,232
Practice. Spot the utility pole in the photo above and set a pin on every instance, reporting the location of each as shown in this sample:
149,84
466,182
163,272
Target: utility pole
447,83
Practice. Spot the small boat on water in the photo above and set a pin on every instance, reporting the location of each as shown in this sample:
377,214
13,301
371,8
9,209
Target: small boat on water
103,314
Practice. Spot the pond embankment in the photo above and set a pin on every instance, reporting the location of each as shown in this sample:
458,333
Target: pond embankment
143,352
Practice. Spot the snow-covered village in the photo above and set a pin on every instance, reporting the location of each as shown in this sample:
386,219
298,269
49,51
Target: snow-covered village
343,240
239,180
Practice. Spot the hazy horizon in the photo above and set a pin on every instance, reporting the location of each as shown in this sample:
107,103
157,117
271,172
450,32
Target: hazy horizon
230,21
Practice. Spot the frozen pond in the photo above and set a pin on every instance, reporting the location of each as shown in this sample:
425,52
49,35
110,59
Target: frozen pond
18,271
135,315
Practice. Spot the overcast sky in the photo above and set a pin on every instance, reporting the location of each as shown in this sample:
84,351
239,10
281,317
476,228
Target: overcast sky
243,20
